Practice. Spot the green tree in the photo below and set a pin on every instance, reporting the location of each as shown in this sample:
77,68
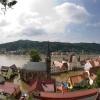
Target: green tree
98,78
34,56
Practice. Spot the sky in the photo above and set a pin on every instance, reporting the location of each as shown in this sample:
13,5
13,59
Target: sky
51,20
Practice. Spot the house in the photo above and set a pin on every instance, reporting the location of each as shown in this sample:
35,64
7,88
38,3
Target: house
92,65
8,72
65,65
55,70
88,65
14,69
10,88
76,79
59,66
33,70
75,63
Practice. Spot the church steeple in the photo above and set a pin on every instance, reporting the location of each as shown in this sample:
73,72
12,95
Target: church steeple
48,60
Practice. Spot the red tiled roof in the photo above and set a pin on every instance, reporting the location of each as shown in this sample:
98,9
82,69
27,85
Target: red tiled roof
95,62
76,79
48,87
92,63
9,88
37,85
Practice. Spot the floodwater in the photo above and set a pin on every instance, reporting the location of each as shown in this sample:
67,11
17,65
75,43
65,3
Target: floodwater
18,60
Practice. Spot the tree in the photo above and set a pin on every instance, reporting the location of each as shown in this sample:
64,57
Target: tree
98,78
34,55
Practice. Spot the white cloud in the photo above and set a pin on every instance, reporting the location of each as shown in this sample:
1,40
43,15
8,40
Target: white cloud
72,13
35,17
63,15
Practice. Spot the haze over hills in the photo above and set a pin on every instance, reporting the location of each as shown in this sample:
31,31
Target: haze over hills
22,45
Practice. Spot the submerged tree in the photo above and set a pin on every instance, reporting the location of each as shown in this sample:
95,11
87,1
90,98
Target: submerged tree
34,55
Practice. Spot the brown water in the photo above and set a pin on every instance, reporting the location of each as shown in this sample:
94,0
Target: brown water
18,60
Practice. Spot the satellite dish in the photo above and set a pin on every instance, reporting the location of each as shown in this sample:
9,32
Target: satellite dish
7,4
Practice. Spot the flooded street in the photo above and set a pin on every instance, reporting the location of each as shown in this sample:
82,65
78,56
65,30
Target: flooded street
23,86
64,76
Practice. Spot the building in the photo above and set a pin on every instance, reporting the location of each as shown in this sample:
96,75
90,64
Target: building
14,69
42,85
59,67
33,70
10,88
75,63
8,72
92,65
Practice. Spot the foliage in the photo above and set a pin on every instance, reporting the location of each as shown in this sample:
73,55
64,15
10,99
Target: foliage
30,98
26,45
34,55
82,86
98,78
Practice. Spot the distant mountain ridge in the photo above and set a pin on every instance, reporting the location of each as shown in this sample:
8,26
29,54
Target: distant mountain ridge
54,46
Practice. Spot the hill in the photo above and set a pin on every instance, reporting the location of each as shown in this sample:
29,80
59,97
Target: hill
26,45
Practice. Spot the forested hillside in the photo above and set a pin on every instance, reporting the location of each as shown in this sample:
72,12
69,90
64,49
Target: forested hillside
26,45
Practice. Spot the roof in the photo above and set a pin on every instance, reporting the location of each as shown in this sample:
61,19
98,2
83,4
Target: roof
95,63
9,88
4,68
41,85
13,67
35,66
76,79
60,64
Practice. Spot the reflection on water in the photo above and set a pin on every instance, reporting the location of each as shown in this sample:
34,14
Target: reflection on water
18,60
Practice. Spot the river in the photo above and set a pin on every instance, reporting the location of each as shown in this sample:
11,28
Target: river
18,60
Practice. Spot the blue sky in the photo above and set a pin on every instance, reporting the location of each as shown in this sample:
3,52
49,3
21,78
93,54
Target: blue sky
89,31
53,20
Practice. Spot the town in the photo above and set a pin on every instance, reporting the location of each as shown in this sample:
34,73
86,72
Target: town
70,76
49,49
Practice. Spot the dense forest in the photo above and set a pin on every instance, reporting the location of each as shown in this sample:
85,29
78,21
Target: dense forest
26,45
